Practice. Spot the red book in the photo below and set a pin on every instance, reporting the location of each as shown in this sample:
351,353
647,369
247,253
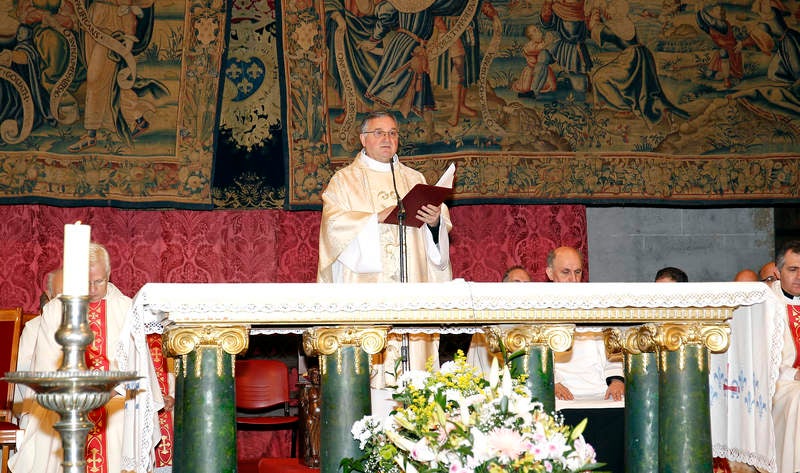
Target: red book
424,194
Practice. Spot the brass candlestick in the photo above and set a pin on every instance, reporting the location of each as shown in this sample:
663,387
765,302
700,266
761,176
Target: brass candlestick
73,390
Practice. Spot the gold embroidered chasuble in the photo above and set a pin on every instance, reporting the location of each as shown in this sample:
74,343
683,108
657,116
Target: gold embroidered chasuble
355,248
351,202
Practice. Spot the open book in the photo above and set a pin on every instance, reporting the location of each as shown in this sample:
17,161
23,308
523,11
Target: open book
425,194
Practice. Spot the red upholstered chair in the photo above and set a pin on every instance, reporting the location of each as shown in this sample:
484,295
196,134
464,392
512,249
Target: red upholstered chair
10,327
262,387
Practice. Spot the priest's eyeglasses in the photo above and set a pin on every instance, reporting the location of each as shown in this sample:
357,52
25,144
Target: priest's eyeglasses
98,282
382,133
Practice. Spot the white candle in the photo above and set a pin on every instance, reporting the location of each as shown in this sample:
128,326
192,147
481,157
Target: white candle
76,259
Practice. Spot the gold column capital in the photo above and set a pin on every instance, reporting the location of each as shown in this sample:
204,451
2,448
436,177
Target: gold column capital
182,339
557,336
713,335
327,340
631,340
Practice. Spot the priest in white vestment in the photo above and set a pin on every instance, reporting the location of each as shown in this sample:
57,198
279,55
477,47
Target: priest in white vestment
40,448
356,247
786,401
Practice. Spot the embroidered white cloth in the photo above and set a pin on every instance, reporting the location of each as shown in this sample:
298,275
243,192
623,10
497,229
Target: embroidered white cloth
741,383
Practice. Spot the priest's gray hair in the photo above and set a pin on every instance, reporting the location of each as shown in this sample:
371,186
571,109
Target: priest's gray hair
791,245
374,115
99,254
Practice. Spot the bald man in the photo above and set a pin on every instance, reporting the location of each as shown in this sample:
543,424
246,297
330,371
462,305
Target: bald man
478,354
746,275
587,384
769,272
516,274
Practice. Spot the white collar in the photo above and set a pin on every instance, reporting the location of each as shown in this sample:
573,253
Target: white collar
376,165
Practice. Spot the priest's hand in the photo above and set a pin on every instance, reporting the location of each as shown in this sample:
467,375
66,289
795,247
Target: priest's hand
562,392
616,390
430,214
169,402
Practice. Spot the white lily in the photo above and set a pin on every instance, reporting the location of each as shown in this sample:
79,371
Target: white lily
494,374
506,387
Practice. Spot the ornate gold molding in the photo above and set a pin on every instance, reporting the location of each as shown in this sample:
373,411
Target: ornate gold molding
556,336
714,336
631,340
667,336
328,340
232,339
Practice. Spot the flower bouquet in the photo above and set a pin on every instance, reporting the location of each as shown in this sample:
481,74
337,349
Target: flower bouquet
456,421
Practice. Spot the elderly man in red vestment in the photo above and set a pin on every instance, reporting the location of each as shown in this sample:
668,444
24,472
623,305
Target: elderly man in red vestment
40,448
786,402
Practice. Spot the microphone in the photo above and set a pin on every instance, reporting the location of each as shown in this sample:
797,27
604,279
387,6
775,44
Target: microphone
401,228
401,221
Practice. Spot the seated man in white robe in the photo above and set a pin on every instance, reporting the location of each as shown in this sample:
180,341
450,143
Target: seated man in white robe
588,384
40,449
23,395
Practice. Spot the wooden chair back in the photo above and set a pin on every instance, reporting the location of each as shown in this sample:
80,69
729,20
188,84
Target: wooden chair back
10,328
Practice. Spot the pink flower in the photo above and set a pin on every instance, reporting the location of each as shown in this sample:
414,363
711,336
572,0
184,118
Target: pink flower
507,443
456,468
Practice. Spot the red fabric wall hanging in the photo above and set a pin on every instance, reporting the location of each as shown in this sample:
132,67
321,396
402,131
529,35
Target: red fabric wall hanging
256,245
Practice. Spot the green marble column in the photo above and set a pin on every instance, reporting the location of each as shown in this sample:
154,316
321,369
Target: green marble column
538,342
684,424
640,360
344,360
641,413
537,363
205,410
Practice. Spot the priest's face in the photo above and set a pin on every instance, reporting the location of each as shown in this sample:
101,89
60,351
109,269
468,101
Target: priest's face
98,282
790,273
383,146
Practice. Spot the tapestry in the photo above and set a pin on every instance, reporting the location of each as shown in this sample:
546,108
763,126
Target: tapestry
109,103
590,101
249,167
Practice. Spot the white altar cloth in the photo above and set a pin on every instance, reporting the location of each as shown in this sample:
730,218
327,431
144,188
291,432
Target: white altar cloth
741,381
305,304
741,385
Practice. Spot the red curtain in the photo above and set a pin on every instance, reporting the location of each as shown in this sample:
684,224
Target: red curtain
256,245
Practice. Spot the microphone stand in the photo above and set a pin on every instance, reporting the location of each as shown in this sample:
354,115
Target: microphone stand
401,228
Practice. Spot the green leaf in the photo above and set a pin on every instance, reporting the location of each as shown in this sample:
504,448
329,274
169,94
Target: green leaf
504,405
578,430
